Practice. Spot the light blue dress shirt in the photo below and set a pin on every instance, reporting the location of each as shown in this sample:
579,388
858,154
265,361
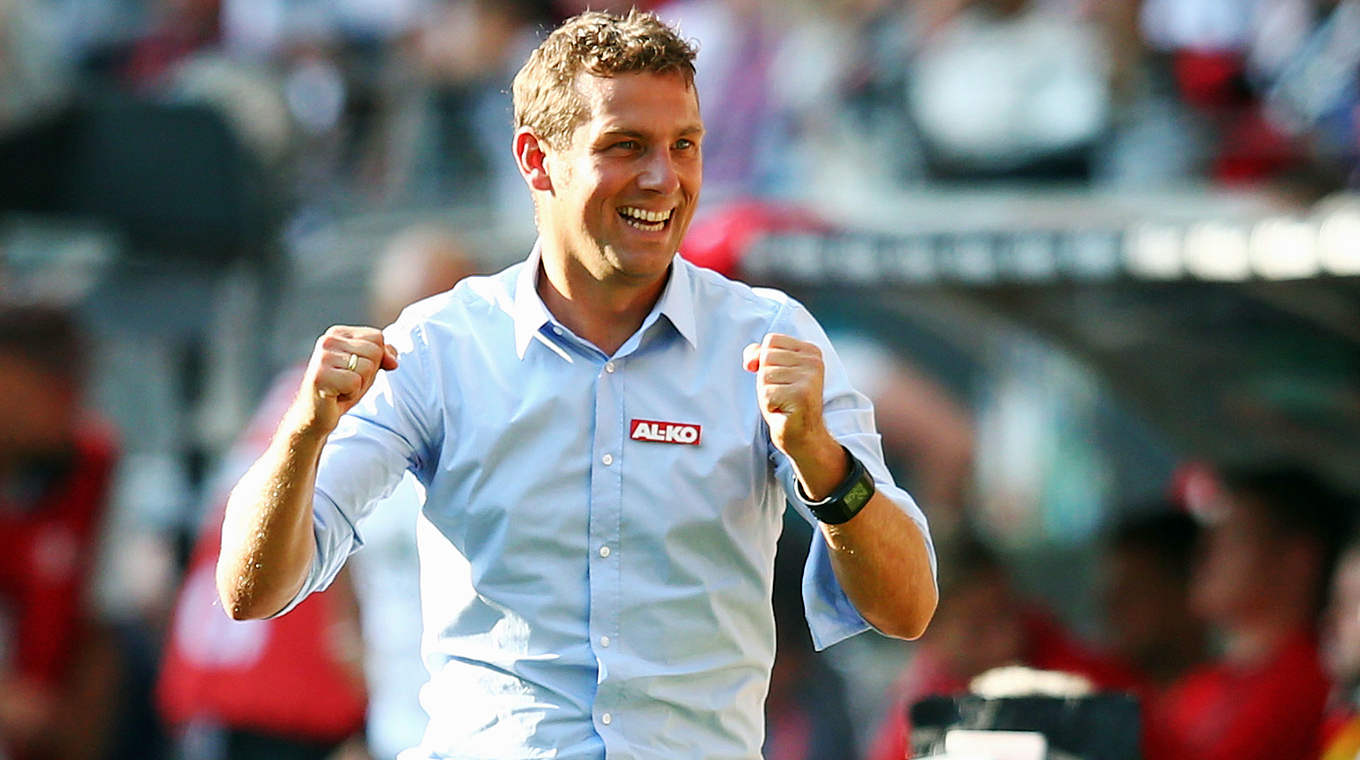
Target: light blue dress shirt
586,594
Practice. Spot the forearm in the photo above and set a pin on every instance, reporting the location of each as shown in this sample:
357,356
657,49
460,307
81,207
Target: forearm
881,560
879,556
267,541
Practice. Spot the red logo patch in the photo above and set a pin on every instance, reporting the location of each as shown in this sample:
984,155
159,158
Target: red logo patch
664,432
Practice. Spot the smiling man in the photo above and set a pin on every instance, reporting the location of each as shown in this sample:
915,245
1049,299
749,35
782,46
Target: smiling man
607,436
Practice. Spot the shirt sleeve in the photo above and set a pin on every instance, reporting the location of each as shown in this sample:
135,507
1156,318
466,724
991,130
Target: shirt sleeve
391,430
850,417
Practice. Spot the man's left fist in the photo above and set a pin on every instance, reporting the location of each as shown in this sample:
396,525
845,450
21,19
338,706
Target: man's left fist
789,374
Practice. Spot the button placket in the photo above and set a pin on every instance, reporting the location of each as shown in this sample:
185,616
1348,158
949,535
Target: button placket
606,491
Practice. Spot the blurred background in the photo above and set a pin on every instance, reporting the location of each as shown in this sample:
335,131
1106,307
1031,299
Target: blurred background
1094,260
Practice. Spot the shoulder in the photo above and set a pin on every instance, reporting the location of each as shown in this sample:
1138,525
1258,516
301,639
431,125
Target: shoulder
731,306
712,289
471,296
469,305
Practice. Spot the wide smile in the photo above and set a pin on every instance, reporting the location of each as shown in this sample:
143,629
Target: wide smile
645,220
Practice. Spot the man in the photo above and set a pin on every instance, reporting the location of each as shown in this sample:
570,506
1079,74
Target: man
230,689
59,664
1262,582
1147,563
602,431
984,622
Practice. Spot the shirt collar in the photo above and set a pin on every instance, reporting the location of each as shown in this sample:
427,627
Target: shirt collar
677,301
530,314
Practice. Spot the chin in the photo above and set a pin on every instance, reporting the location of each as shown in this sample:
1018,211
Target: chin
649,262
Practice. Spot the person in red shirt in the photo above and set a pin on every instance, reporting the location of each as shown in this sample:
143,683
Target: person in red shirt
1146,566
290,688
1147,563
1262,582
58,668
293,687
983,623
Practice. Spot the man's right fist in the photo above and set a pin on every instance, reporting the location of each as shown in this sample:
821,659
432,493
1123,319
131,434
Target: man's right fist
343,366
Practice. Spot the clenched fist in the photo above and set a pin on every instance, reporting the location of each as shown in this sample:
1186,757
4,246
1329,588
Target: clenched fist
343,366
789,376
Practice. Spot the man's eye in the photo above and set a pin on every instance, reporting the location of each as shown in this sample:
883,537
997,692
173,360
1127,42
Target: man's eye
684,144
627,144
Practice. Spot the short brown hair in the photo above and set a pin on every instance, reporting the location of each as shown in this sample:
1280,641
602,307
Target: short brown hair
603,44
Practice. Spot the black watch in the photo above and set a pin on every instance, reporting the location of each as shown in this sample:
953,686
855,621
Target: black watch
847,499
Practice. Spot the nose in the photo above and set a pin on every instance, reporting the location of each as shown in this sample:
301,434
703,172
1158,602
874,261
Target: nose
658,172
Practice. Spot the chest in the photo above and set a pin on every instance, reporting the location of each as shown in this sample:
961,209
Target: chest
658,441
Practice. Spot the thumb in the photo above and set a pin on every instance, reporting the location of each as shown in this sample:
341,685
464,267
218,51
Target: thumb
750,357
389,358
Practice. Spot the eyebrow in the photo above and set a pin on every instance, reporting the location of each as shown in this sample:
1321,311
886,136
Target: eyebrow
691,130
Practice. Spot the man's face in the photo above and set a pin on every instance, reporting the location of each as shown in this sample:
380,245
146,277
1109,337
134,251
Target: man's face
624,190
1237,565
41,413
1145,604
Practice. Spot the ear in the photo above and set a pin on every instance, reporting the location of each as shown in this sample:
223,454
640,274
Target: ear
532,159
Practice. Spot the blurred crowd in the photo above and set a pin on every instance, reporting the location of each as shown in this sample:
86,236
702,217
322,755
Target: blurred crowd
1231,610
403,101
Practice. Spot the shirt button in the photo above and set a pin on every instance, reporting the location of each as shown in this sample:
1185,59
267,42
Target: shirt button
607,718
608,459
604,641
557,330
609,367
604,551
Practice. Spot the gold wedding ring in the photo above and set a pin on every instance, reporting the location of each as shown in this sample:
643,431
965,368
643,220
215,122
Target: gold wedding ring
353,362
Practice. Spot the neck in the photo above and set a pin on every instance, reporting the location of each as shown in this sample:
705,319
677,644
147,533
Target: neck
605,313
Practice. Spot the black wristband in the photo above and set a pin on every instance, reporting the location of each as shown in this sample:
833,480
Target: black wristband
848,498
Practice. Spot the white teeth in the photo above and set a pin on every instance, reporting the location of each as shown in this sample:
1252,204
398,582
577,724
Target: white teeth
644,215
641,225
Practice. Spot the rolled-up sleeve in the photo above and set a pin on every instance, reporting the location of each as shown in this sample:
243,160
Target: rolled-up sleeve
384,435
849,414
